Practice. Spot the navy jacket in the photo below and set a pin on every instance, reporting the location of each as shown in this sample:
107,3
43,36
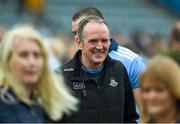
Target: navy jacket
109,100
13,110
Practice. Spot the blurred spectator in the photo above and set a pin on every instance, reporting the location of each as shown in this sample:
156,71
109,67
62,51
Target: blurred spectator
160,85
2,32
174,54
35,9
29,90
155,46
175,37
57,50
121,41
142,41
71,50
36,6
147,44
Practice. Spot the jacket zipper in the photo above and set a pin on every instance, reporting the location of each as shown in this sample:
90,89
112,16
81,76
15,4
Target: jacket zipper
101,103
33,113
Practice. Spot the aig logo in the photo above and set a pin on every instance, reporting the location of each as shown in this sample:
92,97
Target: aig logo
78,85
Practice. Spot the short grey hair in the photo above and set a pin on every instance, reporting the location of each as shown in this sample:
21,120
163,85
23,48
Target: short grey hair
86,20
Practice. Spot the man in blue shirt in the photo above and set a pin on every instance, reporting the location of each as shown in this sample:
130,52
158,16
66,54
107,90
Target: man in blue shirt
133,62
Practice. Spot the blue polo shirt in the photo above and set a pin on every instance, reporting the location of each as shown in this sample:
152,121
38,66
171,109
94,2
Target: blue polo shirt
133,62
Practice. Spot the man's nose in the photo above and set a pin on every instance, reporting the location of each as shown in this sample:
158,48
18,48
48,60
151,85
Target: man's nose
99,45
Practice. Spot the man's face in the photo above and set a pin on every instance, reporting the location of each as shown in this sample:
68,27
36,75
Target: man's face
75,25
94,44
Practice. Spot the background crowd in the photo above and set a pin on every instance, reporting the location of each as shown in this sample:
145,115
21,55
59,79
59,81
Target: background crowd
143,26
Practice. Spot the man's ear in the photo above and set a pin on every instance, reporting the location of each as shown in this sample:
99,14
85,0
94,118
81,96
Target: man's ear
79,42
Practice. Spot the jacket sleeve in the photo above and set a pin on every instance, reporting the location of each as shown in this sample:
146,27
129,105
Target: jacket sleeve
130,114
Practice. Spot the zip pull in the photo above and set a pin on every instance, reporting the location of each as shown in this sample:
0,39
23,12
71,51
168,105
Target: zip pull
84,93
98,87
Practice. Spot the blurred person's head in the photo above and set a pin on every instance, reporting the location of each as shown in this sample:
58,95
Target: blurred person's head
142,41
24,68
2,32
93,40
160,85
58,47
175,37
155,46
71,49
81,14
23,56
174,54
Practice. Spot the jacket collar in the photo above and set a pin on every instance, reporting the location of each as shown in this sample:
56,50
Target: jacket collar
113,45
77,64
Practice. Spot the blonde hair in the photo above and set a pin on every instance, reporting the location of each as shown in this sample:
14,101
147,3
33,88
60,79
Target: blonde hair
165,69
51,90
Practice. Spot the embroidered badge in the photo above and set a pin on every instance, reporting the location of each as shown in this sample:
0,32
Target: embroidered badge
78,85
113,82
69,69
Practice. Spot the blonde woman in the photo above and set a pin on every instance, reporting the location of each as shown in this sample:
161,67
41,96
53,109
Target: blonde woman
29,90
160,85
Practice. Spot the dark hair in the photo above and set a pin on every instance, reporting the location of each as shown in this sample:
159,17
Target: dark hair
174,54
86,20
175,33
87,12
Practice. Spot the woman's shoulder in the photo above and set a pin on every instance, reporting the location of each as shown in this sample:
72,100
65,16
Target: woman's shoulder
7,97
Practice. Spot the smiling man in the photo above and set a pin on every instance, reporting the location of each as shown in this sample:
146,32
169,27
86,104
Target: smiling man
94,43
100,83
133,62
